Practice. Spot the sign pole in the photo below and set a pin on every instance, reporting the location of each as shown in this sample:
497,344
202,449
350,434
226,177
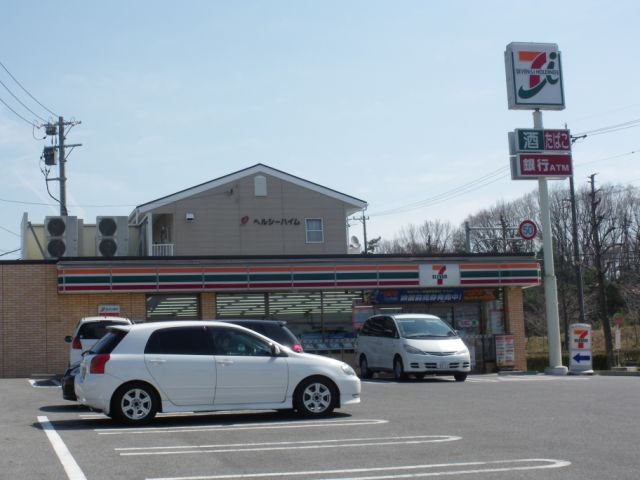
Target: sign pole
550,283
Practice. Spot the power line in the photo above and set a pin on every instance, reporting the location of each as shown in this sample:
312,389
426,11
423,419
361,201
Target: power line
17,114
12,251
463,189
6,200
26,91
7,230
20,102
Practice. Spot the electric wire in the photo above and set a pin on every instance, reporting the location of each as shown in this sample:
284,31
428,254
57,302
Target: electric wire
7,230
12,251
27,91
20,101
17,114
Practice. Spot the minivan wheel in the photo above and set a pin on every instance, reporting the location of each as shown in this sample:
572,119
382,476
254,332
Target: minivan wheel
460,377
315,397
134,404
398,369
364,368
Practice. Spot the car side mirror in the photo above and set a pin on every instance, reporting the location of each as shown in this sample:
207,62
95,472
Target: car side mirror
68,339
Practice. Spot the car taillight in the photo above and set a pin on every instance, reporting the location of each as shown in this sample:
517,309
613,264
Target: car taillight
297,348
98,362
76,345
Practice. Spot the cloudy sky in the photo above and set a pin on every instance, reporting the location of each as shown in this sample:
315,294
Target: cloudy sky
402,104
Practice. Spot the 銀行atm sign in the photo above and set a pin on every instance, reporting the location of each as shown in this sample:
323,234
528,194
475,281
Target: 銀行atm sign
580,358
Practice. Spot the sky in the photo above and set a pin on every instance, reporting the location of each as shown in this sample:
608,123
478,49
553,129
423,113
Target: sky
402,104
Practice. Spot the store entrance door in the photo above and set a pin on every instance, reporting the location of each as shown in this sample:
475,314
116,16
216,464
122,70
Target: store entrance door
467,319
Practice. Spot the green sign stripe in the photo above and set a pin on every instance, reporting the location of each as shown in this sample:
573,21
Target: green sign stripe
398,275
519,273
480,274
358,276
134,279
242,277
79,280
270,277
312,276
180,278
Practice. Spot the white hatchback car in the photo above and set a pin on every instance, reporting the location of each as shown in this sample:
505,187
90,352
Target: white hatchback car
192,366
413,343
88,331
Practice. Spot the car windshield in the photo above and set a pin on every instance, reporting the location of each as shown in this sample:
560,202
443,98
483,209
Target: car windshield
424,328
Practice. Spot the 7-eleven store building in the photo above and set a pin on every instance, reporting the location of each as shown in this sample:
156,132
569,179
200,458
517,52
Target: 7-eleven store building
324,299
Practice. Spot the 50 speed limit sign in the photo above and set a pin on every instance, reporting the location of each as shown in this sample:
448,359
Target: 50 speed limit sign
527,229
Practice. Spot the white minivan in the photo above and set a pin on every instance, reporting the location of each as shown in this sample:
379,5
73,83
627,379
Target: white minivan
411,343
87,332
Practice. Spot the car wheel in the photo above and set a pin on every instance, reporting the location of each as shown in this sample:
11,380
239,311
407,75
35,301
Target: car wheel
315,397
364,368
460,377
134,403
398,369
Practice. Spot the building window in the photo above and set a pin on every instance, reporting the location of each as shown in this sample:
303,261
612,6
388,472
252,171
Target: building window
314,230
173,307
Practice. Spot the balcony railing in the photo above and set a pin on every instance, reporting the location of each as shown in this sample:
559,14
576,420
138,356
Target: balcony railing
162,250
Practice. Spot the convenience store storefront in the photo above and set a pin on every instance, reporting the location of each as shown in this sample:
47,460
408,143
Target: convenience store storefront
323,299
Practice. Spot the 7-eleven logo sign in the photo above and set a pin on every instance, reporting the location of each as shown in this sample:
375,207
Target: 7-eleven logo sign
440,275
534,76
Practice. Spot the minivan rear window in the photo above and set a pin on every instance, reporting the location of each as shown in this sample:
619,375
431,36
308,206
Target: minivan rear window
95,329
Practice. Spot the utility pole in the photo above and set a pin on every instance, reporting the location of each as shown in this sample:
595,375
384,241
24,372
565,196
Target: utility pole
576,245
602,295
364,219
59,129
63,178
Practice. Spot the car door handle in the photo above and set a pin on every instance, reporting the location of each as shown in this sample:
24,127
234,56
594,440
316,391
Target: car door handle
157,360
224,362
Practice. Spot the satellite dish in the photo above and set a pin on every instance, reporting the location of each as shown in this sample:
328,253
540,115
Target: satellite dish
355,242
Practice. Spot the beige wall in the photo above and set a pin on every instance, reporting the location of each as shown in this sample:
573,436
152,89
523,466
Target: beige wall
514,319
217,227
34,318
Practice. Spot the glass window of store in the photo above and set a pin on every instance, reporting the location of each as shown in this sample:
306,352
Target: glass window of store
172,307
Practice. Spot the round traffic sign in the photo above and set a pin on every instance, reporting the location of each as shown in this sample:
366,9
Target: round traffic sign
527,229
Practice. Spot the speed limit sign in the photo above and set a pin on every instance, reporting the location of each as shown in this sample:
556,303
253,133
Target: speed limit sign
527,229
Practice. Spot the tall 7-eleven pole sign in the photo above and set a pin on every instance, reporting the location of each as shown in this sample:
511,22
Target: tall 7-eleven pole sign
534,82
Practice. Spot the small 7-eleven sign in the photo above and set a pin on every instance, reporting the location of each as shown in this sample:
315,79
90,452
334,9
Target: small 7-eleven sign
439,275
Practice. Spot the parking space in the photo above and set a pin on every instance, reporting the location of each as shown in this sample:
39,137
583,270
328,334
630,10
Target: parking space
415,429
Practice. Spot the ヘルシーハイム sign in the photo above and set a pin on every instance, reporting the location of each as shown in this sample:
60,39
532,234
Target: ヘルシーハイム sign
534,76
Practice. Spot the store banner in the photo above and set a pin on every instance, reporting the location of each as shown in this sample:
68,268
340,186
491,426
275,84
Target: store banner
424,295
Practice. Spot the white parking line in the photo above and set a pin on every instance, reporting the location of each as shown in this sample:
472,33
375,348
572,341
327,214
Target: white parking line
66,459
522,378
405,471
240,426
34,383
293,445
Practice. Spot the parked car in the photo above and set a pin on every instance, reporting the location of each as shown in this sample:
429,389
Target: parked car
274,329
411,343
87,332
68,382
135,371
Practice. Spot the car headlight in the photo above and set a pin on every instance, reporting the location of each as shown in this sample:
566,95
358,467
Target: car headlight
410,349
462,352
347,369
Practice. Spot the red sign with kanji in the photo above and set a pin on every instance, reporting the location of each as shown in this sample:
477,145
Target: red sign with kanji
534,165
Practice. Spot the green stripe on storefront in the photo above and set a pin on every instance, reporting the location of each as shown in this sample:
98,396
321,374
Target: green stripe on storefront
241,277
398,275
69,280
312,276
270,277
356,276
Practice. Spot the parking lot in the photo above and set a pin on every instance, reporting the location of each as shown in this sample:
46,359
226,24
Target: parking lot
491,426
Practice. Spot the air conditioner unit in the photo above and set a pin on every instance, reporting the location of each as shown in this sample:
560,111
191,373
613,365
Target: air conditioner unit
112,236
62,236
